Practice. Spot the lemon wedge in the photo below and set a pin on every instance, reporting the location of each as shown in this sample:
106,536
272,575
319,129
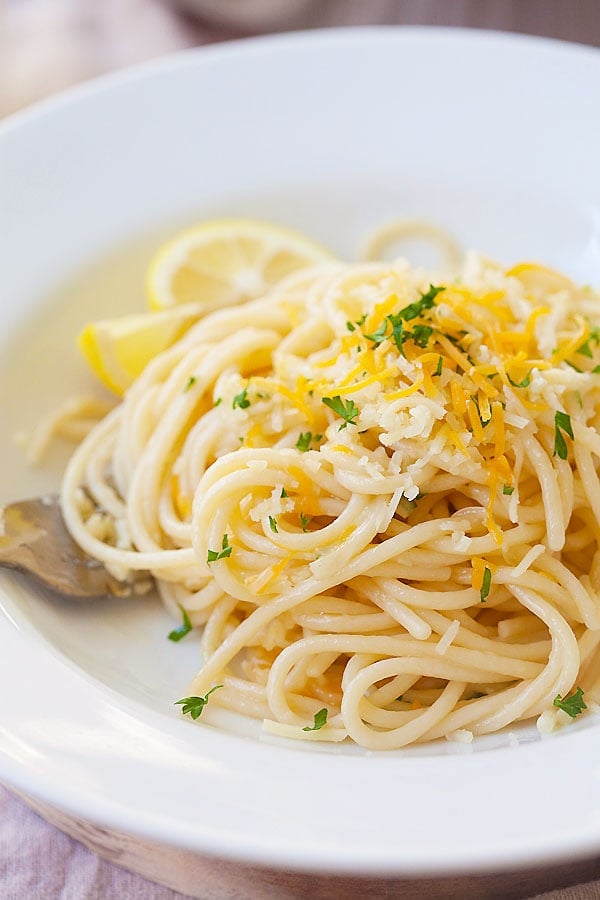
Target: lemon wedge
118,350
227,261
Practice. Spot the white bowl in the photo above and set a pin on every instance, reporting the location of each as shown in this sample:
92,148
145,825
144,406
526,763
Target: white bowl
495,138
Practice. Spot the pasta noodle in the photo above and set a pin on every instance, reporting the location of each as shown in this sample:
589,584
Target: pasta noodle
377,490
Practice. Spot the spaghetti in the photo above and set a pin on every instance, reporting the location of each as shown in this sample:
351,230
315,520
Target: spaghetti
378,493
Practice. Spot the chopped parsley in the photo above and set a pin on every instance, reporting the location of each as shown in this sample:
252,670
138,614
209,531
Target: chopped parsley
303,442
585,349
284,493
521,384
562,423
218,400
240,401
485,584
440,364
397,331
347,409
380,335
426,302
508,489
304,520
320,718
596,370
178,633
214,555
195,705
273,524
573,705
421,334
483,421
305,439
573,366
352,326
190,382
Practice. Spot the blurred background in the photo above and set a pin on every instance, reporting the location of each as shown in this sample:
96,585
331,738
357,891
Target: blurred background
46,45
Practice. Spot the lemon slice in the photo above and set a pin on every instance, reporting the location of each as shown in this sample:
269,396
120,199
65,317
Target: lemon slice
118,350
227,261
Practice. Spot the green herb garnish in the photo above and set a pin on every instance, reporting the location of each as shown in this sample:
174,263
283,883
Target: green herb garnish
214,555
573,705
426,302
348,409
562,423
190,382
397,331
573,366
320,718
195,705
178,633
521,384
240,401
508,489
303,442
218,400
486,584
380,335
481,419
304,520
421,334
284,493
440,364
352,326
273,524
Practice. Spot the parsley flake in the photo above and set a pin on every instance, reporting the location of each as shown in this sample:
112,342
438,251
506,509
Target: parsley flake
214,555
348,409
320,718
521,384
303,442
486,584
421,334
190,382
562,423
573,705
240,401
195,705
218,400
380,335
426,302
573,366
273,524
508,489
585,348
397,331
304,520
178,633
440,364
352,326
284,493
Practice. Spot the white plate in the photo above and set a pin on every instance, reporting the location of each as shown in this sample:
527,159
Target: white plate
495,138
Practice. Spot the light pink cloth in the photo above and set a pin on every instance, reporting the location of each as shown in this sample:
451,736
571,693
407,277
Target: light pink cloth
38,862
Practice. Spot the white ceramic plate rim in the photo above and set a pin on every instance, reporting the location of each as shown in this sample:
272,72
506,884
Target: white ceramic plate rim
93,753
